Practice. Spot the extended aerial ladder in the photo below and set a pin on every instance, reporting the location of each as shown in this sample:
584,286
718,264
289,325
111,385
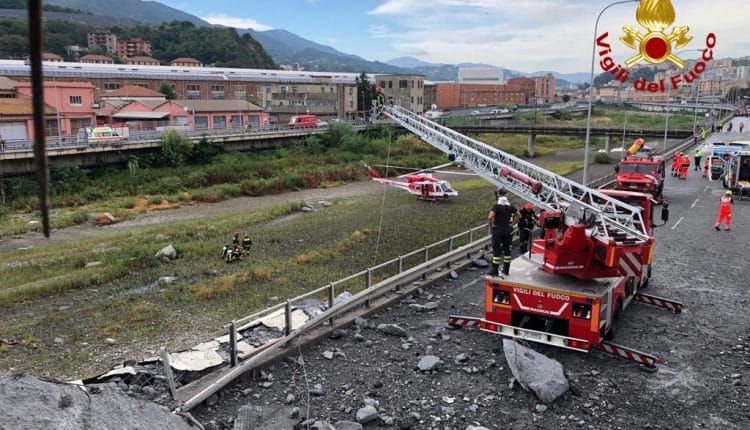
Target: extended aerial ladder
615,264
617,227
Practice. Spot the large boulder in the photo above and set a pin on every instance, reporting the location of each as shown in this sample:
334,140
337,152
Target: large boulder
536,372
30,403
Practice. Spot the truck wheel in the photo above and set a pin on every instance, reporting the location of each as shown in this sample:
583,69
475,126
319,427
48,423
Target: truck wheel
615,322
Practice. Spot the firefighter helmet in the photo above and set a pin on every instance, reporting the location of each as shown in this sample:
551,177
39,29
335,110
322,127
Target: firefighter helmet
500,192
729,192
528,206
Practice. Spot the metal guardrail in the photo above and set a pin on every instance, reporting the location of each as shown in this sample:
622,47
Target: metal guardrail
370,292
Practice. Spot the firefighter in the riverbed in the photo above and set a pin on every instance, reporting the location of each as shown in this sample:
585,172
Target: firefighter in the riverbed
526,224
725,211
501,219
246,242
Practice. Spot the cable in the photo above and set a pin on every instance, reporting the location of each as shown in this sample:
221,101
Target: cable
382,201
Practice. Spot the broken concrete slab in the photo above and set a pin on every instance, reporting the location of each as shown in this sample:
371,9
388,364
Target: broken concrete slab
27,402
393,330
535,372
195,360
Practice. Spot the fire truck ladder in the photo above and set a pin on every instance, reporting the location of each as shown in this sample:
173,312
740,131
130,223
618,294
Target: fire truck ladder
611,219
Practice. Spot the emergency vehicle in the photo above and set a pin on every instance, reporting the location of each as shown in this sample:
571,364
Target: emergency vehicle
303,121
98,136
573,286
641,171
737,177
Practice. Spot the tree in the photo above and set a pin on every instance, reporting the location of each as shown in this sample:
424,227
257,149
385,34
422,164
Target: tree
365,92
566,98
167,90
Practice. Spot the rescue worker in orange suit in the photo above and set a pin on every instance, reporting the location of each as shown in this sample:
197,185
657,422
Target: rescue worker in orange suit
684,164
526,224
725,211
675,163
501,219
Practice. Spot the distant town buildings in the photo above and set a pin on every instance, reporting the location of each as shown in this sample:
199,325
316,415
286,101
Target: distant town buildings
407,89
186,62
122,48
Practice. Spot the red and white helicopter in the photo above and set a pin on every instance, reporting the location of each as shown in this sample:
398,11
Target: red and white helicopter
423,185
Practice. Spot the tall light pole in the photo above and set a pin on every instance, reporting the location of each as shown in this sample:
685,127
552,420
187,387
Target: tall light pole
669,96
591,88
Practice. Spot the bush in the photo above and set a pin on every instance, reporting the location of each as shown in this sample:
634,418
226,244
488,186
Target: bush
175,148
254,187
602,158
4,212
169,184
229,190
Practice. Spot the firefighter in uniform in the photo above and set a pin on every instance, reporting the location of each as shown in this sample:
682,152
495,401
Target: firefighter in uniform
501,219
236,238
697,156
526,224
684,165
725,211
246,242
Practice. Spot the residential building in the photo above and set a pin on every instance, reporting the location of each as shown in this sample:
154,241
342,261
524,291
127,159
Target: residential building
104,39
133,48
284,100
143,61
450,95
96,59
7,88
72,101
544,88
481,75
430,95
407,89
186,62
49,56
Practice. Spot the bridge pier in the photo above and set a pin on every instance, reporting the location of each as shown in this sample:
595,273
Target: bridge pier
531,149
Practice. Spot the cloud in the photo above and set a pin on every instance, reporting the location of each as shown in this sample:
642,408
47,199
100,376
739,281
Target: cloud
236,22
378,31
531,35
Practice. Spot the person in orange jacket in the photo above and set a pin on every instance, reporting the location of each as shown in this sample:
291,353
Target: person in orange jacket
684,164
725,211
675,163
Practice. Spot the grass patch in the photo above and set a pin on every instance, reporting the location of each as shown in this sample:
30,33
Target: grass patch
564,168
517,144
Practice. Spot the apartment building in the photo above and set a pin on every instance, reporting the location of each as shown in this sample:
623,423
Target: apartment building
104,39
457,96
133,47
407,89
544,88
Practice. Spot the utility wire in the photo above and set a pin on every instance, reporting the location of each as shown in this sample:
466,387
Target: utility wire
382,201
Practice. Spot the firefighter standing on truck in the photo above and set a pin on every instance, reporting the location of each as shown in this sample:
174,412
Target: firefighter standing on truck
501,219
526,224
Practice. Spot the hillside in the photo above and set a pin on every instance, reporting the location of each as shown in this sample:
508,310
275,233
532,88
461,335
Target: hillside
149,12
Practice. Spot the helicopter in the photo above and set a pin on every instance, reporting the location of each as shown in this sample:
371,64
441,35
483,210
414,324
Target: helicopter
421,184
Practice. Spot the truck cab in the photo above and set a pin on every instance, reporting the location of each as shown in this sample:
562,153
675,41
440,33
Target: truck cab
303,121
643,173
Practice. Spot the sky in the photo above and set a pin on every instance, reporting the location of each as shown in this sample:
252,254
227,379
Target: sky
524,35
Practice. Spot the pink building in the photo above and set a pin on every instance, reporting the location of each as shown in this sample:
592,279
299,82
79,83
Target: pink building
221,114
16,118
72,102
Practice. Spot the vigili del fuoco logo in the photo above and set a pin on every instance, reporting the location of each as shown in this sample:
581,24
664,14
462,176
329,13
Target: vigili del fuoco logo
653,45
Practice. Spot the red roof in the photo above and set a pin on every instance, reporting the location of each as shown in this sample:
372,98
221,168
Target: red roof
142,59
132,91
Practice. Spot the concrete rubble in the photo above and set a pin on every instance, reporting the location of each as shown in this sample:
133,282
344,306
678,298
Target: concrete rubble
27,402
535,372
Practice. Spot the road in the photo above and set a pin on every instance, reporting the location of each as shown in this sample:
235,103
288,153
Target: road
702,382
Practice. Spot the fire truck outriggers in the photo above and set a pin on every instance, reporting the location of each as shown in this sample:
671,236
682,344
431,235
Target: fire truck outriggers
571,288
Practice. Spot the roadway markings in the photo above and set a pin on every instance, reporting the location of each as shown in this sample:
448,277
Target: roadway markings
705,189
696,201
677,223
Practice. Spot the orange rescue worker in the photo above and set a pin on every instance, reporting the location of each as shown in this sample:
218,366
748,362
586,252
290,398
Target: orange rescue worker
725,211
684,164
675,162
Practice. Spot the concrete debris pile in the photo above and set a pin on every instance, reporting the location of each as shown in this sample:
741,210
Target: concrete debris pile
31,403
145,379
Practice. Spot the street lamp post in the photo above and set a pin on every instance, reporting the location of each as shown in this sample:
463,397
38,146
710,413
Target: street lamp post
591,88
669,97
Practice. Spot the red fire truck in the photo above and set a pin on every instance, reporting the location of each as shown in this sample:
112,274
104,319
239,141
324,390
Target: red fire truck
573,286
641,170
303,121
